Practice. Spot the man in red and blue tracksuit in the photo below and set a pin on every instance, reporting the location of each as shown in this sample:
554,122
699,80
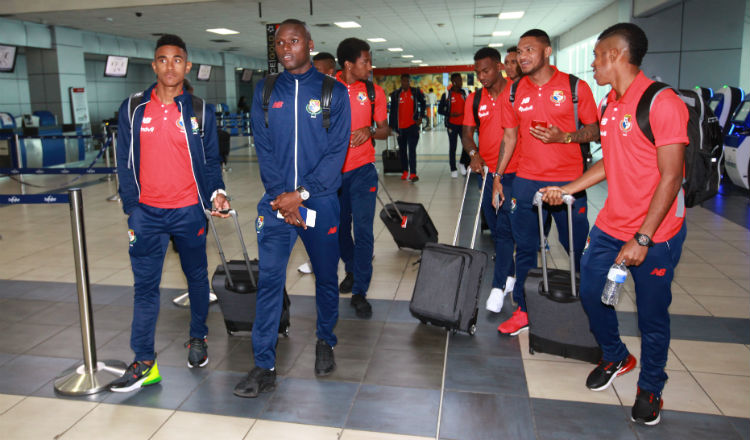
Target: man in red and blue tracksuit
300,165
407,111
169,172
642,223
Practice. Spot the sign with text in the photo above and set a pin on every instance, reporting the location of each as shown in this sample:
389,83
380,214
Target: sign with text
273,63
79,105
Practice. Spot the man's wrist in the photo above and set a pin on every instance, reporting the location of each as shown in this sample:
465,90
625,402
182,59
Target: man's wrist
217,192
472,153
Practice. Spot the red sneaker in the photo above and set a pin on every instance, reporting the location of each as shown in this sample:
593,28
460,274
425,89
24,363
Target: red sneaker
404,175
413,177
517,323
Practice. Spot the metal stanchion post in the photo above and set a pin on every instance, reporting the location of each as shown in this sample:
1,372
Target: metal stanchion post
19,162
91,377
115,197
107,159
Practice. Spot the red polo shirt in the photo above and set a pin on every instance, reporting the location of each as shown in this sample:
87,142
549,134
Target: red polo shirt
166,174
405,109
456,106
551,103
631,164
361,109
490,127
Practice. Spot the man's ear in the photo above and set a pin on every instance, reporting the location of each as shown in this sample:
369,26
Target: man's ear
547,51
188,66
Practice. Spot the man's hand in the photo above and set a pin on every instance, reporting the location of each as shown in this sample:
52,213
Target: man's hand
497,192
477,164
220,203
288,204
548,135
552,195
632,253
360,136
419,122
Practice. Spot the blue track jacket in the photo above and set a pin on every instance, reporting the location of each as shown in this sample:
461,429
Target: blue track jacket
295,150
204,153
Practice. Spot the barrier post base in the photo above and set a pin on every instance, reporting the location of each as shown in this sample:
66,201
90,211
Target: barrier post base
78,382
183,300
113,198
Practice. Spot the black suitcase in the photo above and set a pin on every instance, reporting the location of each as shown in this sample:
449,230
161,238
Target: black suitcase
225,141
446,293
391,159
409,223
558,324
234,283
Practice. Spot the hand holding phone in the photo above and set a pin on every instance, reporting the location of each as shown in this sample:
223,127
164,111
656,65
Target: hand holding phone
539,124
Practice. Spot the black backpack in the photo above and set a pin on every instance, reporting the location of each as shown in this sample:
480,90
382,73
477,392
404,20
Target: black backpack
585,146
475,107
443,105
326,95
704,151
199,108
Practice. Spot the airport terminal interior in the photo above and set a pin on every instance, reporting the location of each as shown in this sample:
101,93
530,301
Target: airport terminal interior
395,379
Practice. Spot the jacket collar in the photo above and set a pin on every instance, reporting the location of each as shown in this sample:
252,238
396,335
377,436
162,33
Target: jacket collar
181,98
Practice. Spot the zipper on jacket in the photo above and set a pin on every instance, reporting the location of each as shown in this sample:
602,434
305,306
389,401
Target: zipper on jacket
296,92
200,198
131,158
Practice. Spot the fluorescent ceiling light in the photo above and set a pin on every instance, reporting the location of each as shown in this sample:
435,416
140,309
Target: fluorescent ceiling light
501,33
423,65
377,40
374,67
417,61
395,49
510,15
313,53
407,56
496,44
222,31
347,24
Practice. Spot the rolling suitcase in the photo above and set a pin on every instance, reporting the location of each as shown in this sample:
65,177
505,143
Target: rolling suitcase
446,293
558,324
234,283
409,223
391,159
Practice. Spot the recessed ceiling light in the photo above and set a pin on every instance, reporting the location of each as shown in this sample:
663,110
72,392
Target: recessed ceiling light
395,49
417,61
313,53
374,67
407,56
496,44
222,31
424,65
377,40
347,24
501,33
510,15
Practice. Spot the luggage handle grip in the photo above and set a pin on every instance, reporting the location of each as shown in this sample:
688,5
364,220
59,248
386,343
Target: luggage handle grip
233,214
568,200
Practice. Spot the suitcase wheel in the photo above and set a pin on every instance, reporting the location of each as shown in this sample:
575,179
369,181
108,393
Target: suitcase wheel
286,332
423,321
230,333
472,329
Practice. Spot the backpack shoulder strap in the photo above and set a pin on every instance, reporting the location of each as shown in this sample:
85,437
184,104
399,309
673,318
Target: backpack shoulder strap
513,89
475,106
326,95
134,101
267,89
643,111
199,109
371,96
574,96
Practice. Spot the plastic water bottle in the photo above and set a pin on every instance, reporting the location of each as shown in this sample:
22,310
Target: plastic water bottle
616,277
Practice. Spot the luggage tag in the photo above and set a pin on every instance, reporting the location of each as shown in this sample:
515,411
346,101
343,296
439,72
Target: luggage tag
308,216
404,219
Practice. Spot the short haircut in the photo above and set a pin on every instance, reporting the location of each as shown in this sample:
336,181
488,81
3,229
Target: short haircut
454,75
539,34
322,56
350,50
170,40
295,22
405,75
488,52
512,49
633,35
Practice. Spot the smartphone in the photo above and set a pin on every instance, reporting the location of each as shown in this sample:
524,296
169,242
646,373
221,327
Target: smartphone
536,124
308,216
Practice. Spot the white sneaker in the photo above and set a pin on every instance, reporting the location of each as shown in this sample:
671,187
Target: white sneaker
495,301
510,283
454,174
305,268
462,168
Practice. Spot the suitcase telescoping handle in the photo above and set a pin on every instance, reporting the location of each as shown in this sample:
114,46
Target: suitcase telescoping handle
385,188
479,207
233,214
568,200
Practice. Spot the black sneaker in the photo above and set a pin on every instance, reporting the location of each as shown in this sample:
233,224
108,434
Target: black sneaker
362,308
647,408
602,376
258,380
347,284
324,362
136,376
197,352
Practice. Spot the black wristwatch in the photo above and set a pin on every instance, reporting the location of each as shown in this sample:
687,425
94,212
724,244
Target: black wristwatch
643,239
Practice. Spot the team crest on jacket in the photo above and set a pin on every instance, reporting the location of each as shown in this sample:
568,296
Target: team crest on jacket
313,107
259,224
131,237
361,97
194,124
513,205
626,124
557,97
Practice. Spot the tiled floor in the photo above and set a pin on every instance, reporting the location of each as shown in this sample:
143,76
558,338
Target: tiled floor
387,385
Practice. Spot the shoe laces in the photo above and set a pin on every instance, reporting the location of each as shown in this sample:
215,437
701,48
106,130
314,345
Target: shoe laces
195,341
